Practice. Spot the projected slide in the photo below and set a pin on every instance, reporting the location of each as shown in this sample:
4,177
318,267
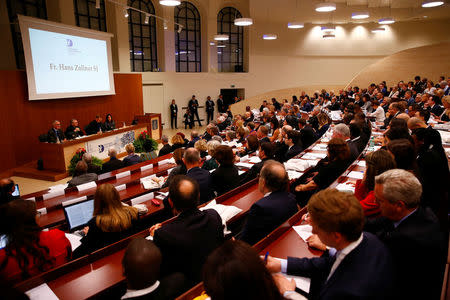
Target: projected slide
68,64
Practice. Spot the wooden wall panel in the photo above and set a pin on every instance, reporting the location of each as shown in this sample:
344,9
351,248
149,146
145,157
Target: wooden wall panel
22,121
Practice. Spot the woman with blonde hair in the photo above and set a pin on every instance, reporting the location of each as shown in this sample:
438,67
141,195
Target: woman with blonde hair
445,116
177,142
112,220
211,164
200,145
324,124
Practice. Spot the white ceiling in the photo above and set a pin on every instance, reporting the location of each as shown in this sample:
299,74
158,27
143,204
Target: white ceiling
304,11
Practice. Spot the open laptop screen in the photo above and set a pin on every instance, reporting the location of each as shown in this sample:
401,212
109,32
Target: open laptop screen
79,214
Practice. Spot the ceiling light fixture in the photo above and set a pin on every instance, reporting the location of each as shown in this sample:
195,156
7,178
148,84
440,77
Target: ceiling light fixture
180,28
328,28
125,12
97,4
169,2
243,21
270,36
221,46
165,25
385,21
329,36
295,25
212,43
378,29
428,4
325,7
360,15
147,18
221,37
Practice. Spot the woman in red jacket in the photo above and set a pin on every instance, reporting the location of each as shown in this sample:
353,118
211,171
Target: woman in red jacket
376,163
28,250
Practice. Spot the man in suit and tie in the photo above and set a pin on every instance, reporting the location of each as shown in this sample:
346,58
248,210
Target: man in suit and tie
294,144
73,130
209,109
132,158
359,266
221,107
55,134
394,111
266,152
192,161
166,149
412,234
262,133
433,107
173,114
274,208
193,107
113,163
307,135
186,242
343,132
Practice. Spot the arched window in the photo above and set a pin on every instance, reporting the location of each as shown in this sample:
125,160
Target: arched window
32,8
142,37
231,57
87,16
188,41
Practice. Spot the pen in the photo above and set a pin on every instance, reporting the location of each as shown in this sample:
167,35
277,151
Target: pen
265,257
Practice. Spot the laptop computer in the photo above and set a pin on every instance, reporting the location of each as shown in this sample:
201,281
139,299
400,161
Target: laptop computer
78,214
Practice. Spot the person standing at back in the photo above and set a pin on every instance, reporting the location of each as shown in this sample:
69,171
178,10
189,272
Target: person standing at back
209,109
173,114
193,107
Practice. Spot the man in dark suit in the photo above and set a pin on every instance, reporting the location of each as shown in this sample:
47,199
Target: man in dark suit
393,110
209,109
356,138
262,133
132,158
221,107
92,168
192,161
186,242
274,208
193,107
95,126
433,107
307,135
113,163
55,135
359,266
194,139
166,149
294,144
141,267
412,235
81,176
7,187
343,132
173,114
73,131
266,152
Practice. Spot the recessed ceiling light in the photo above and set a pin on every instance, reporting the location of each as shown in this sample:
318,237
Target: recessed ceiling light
328,28
212,43
221,37
425,17
360,15
432,3
169,2
295,25
243,22
378,29
221,46
385,21
325,7
329,36
270,36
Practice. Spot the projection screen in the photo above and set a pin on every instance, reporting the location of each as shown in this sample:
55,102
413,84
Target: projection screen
64,61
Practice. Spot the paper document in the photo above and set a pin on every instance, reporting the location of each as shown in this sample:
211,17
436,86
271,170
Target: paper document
226,212
240,172
362,163
58,187
75,240
320,147
121,187
356,174
304,231
255,159
41,292
302,283
244,165
86,186
294,174
53,194
150,238
312,155
345,187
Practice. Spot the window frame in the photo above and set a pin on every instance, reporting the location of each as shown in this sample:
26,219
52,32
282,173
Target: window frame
99,18
226,27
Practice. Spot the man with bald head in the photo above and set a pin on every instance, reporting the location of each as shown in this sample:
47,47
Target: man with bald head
186,242
6,190
274,208
192,161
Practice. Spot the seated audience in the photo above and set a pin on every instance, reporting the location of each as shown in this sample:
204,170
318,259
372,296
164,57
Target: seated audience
411,233
81,176
362,267
149,149
235,271
109,123
192,161
194,139
55,134
113,163
357,138
274,208
307,134
251,147
7,187
29,250
378,112
92,168
294,144
132,158
226,176
342,131
194,232
112,221
211,164
266,152
376,163
141,265
180,169
95,126
73,130
177,142
166,148
326,171
323,124
262,133
200,145
445,116
275,128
